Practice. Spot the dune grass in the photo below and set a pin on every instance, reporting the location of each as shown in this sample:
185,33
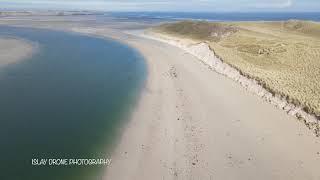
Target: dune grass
198,30
283,56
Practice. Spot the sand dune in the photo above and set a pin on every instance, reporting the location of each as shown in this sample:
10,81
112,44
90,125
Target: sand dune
282,57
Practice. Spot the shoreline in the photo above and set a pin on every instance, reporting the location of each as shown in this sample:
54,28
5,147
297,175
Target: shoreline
206,55
133,89
134,145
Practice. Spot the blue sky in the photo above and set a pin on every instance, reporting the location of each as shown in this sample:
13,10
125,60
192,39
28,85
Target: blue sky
167,5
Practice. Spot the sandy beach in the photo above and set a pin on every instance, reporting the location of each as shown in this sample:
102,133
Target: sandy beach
277,61
192,123
13,50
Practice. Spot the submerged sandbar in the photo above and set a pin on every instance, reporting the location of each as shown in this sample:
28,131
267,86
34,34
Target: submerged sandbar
13,50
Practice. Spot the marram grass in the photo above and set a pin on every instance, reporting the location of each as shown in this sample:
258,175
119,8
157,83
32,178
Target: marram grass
283,56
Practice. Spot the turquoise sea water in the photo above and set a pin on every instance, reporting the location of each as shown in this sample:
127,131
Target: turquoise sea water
66,101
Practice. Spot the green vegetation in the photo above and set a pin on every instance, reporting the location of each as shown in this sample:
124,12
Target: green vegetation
198,30
283,56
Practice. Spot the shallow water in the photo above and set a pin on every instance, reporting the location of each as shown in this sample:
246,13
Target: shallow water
66,101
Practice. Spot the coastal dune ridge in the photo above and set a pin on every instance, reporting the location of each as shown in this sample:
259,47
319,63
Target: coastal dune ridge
14,49
201,39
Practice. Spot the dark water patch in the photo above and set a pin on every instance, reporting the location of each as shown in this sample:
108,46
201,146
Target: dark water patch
67,101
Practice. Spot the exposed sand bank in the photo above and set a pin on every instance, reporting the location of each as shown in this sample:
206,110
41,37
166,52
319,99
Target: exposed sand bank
13,50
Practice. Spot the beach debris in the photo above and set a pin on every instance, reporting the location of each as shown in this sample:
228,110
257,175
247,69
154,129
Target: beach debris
173,72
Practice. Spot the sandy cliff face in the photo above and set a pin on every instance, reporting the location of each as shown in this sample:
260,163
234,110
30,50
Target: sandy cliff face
207,56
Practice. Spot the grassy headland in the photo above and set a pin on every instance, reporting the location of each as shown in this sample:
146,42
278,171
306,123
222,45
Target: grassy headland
282,56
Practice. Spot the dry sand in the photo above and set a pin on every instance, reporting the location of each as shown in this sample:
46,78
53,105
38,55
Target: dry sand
13,50
192,123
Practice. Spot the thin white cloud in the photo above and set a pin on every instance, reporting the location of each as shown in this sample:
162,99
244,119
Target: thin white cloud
87,5
273,4
167,5
122,5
